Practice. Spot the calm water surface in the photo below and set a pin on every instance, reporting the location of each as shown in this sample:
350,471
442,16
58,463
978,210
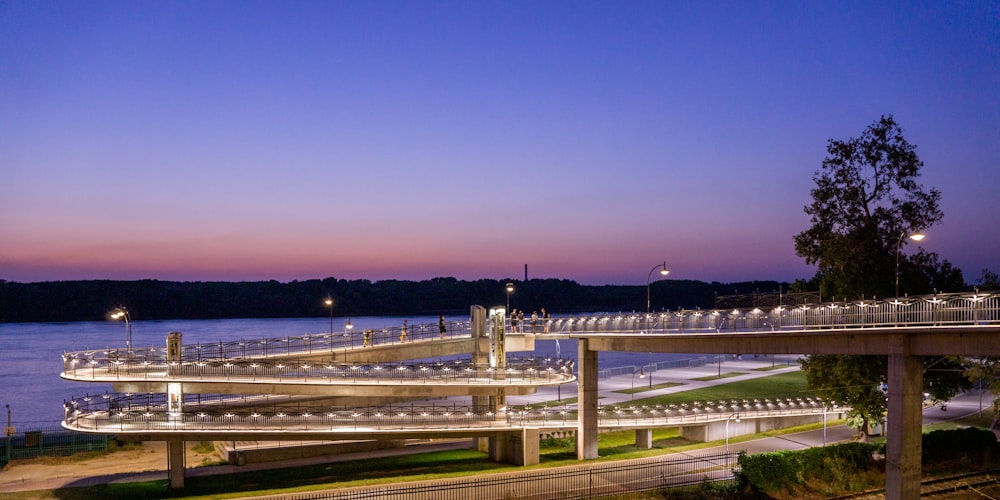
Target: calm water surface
31,353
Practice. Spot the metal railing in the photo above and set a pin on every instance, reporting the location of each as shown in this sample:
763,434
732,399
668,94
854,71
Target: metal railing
45,440
651,368
979,308
308,343
609,480
100,366
225,413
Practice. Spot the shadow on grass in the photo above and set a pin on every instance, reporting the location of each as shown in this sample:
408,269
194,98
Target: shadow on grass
303,478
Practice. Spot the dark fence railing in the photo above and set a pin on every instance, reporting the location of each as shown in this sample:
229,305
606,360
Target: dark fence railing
616,480
32,441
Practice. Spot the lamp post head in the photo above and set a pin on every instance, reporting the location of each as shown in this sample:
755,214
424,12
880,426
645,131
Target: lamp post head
510,287
917,236
664,271
328,302
119,313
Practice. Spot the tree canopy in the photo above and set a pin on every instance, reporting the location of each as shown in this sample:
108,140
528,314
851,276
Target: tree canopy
866,200
153,299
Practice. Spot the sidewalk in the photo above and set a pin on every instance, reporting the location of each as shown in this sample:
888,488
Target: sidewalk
686,378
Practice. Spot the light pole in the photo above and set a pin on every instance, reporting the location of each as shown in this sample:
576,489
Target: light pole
663,272
9,433
826,408
329,303
917,236
510,290
735,416
122,313
348,328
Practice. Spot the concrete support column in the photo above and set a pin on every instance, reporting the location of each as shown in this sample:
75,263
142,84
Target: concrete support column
524,447
175,463
498,449
480,405
519,447
644,438
903,432
586,434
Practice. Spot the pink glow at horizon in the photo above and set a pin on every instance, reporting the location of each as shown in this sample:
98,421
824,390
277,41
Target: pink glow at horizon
588,140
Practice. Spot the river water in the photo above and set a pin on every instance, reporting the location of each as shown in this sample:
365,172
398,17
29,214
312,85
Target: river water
31,353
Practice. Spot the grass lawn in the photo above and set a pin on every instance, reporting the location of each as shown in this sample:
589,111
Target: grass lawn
719,377
982,421
783,385
648,388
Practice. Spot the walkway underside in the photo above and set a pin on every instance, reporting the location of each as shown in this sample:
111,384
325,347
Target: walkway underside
955,340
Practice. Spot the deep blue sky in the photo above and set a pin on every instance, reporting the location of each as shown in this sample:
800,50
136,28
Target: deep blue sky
408,140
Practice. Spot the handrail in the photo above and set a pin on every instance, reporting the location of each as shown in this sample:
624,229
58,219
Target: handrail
99,368
147,412
978,308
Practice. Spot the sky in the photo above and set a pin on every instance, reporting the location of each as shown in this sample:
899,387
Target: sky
590,141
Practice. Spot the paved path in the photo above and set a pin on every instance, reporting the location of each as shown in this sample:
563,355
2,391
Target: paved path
686,378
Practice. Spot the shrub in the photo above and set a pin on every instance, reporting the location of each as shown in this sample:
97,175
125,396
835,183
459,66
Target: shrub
785,469
978,446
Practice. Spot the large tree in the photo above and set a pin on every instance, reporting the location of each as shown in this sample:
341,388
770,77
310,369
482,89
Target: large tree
866,201
859,382
866,198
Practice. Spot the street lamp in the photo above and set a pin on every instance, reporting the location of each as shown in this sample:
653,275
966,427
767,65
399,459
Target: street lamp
917,236
329,303
735,416
510,290
122,313
663,272
826,408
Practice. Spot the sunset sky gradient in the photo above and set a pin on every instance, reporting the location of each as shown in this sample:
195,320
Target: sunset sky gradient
408,140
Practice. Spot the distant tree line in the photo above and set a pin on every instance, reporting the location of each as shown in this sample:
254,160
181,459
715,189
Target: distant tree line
56,301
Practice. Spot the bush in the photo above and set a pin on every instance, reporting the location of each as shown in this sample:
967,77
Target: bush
784,469
841,465
976,446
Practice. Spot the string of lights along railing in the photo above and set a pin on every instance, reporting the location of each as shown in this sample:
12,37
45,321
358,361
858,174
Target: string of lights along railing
146,412
105,366
977,308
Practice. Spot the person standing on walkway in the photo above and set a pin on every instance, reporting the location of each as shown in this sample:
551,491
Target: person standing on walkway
520,321
368,338
402,332
441,327
513,320
545,321
534,320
